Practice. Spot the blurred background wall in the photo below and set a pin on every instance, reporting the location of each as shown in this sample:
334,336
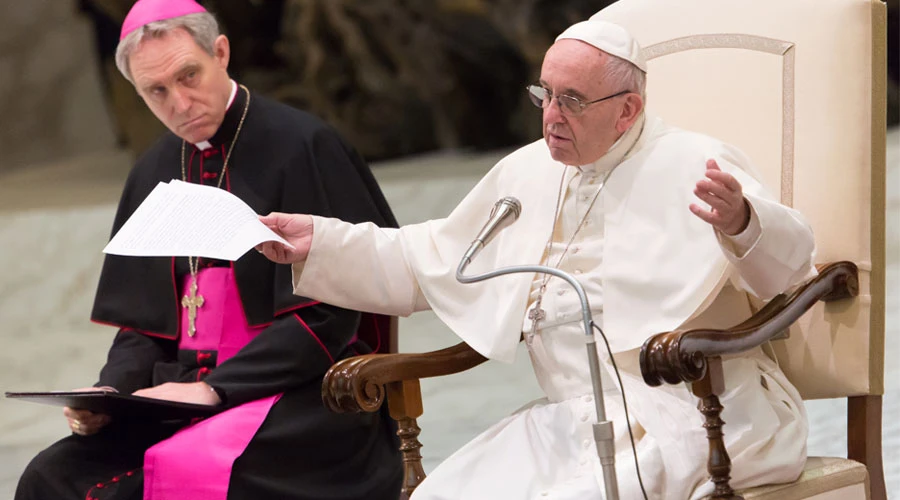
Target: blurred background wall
395,77
51,100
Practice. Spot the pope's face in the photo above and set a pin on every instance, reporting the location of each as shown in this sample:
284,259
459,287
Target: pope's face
576,69
186,88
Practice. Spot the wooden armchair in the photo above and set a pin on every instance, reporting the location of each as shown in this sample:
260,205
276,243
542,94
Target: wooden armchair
798,85
695,356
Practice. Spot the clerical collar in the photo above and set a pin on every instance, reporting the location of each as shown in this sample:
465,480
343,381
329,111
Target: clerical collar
620,150
229,122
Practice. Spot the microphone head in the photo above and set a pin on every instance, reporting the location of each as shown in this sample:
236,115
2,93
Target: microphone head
499,219
508,203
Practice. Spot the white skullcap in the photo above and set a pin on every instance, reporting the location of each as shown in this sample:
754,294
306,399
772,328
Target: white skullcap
608,37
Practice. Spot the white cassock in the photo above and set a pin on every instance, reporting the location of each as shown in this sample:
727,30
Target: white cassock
648,265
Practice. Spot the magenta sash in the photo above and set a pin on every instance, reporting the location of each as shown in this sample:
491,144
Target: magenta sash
196,463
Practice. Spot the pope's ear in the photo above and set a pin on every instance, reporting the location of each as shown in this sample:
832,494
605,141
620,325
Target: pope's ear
631,109
222,51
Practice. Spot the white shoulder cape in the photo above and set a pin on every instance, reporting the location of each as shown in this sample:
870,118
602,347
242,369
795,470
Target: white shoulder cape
661,265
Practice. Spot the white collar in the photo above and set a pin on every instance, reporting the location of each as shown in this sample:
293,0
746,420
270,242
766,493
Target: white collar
618,151
204,145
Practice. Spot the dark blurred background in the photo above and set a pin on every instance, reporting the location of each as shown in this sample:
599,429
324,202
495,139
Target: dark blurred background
395,77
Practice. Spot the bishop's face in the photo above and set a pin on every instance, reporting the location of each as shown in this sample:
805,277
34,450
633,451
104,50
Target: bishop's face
185,87
576,69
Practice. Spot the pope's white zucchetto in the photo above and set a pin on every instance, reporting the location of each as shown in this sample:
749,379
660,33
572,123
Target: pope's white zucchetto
608,37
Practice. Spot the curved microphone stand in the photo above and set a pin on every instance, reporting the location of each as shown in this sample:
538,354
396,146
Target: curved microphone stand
603,428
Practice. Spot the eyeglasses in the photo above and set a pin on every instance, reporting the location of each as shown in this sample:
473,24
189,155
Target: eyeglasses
569,105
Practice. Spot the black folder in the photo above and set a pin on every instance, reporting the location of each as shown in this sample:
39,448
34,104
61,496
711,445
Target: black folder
120,405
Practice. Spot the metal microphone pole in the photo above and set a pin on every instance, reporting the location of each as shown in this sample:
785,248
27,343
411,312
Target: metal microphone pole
603,429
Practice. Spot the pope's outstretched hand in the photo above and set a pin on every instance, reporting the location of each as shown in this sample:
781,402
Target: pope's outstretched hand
296,229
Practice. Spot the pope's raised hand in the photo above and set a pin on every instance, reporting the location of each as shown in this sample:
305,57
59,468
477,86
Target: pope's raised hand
729,211
296,229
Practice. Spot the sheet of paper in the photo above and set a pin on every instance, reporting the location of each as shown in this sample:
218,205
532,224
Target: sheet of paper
181,219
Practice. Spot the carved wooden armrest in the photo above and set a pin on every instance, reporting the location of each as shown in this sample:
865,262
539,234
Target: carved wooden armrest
696,355
357,384
361,383
681,355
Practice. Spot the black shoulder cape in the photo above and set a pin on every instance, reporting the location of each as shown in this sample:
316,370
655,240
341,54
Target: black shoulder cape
284,160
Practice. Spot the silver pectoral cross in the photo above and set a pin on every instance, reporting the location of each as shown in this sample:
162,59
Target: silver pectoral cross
192,302
536,315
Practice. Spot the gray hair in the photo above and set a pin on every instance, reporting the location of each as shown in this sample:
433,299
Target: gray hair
202,26
625,75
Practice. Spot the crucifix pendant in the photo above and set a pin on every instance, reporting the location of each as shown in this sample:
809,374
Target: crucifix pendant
536,315
192,302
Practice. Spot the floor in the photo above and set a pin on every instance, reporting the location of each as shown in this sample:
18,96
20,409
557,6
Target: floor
55,219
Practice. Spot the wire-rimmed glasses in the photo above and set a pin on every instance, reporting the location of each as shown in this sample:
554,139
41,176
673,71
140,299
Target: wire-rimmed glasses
573,106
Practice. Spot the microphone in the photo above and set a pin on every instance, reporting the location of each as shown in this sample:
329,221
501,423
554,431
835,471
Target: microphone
604,437
504,213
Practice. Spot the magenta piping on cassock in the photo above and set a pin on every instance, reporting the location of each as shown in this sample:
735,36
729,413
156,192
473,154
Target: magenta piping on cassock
377,332
101,485
308,329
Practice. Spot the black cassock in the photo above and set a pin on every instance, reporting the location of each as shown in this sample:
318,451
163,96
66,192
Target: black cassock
283,160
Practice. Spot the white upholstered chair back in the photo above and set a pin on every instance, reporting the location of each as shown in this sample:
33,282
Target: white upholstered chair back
799,86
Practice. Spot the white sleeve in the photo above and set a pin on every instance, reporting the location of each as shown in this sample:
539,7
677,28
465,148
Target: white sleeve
739,244
779,256
360,267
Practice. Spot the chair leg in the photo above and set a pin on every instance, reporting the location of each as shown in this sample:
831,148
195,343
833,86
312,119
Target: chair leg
405,405
719,463
413,473
864,439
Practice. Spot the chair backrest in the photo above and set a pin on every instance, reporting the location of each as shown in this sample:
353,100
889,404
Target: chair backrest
799,86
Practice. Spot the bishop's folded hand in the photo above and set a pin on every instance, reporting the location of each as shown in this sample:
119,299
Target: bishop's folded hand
297,229
86,422
199,393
